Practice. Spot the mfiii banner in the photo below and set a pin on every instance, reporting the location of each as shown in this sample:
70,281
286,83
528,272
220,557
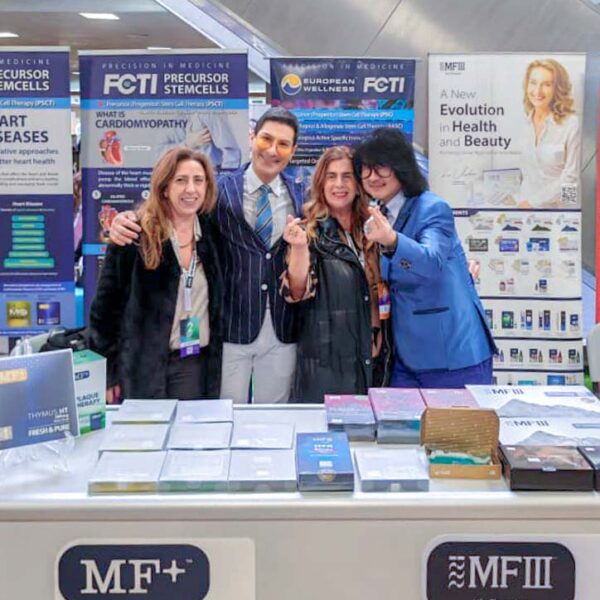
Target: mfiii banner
504,150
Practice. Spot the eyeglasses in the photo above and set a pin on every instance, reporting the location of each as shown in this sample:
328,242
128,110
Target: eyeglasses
379,170
283,147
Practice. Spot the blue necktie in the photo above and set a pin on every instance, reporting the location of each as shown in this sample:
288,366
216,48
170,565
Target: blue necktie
264,216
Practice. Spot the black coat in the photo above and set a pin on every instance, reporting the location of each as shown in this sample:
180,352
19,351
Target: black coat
334,327
132,315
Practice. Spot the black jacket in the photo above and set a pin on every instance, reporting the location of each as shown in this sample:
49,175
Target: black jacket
334,327
132,314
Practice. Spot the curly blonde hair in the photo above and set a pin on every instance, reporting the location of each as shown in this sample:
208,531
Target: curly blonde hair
155,212
562,101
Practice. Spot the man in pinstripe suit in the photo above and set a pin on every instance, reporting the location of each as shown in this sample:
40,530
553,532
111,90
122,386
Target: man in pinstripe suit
252,209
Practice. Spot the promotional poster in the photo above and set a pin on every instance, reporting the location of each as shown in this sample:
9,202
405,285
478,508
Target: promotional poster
340,100
504,151
137,105
36,191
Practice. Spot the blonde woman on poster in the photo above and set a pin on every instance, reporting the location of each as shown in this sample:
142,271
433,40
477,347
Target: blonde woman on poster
553,138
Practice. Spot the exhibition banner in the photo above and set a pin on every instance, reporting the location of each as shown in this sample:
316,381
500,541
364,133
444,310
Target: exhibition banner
504,151
137,105
36,191
340,100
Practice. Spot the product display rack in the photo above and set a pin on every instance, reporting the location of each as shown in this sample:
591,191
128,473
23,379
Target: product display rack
311,545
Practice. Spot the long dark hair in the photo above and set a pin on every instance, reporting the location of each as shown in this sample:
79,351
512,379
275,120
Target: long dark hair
388,147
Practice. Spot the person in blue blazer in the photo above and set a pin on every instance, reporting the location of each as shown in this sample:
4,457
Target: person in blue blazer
441,337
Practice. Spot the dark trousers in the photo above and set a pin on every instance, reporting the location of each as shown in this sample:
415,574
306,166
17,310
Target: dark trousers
480,374
186,377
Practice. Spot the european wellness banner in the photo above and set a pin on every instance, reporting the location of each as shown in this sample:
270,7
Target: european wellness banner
137,105
504,151
36,191
340,100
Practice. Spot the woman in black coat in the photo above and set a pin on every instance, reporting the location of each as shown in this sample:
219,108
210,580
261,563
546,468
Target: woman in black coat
156,314
333,275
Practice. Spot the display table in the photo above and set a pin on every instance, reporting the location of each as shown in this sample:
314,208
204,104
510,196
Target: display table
306,546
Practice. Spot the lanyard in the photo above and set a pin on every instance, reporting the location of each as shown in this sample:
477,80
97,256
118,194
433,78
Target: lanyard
359,255
188,278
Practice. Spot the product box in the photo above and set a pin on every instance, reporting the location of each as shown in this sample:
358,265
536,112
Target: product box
145,411
199,436
592,455
262,471
391,470
546,468
550,432
195,471
547,401
271,436
90,390
448,398
352,414
37,399
468,431
204,411
134,438
305,418
324,462
126,472
398,414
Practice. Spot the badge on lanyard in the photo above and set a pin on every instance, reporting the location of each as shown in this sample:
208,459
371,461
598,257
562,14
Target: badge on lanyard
383,296
189,336
189,329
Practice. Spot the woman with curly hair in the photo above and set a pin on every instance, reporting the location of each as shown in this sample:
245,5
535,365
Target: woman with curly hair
156,311
552,146
333,275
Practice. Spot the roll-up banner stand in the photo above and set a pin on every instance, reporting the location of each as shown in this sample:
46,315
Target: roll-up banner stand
340,100
36,191
504,151
136,105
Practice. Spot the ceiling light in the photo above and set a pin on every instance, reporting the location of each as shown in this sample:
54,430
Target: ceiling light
158,48
101,16
8,34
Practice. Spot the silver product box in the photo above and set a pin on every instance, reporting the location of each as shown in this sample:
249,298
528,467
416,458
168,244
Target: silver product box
130,472
195,471
262,471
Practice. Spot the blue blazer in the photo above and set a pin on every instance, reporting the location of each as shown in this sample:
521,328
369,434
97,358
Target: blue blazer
251,271
437,317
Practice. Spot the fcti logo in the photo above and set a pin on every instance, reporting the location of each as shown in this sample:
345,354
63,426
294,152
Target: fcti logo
149,571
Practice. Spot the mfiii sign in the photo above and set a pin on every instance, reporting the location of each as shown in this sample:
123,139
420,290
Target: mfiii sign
480,570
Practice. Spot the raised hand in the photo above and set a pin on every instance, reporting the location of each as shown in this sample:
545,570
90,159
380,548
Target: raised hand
294,234
378,228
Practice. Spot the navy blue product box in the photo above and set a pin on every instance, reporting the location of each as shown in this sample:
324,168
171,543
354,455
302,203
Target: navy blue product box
324,462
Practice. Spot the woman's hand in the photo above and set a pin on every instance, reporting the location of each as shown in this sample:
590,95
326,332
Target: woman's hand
378,229
113,395
294,234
